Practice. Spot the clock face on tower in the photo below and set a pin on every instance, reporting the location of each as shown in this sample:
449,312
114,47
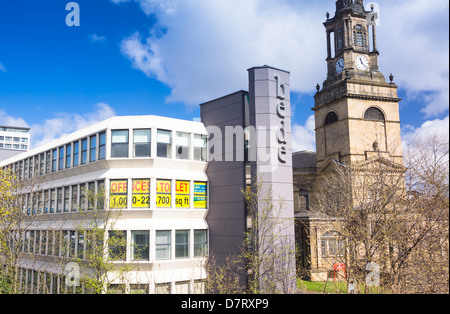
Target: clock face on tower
340,66
362,63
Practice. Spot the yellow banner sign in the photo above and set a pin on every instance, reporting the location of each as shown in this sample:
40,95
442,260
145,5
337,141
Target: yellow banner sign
141,194
118,194
163,193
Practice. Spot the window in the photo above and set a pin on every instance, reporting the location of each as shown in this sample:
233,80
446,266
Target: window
163,193
47,161
141,143
102,146
66,199
16,139
76,153
140,245
303,200
141,193
118,194
119,144
91,195
59,203
61,158
74,204
182,244
164,144
30,164
182,287
68,156
200,147
374,114
83,197
41,164
54,160
183,143
331,118
93,148
162,288
332,244
53,201
117,243
84,147
200,243
163,245
182,194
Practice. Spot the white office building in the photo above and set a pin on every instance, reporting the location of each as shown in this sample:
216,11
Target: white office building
153,171
13,141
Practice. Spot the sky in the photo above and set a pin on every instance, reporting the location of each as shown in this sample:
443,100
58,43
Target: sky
165,57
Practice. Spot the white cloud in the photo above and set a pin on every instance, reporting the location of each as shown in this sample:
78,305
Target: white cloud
432,127
303,136
202,48
94,38
2,68
414,43
7,120
65,123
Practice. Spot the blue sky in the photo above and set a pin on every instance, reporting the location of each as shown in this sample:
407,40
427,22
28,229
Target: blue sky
139,57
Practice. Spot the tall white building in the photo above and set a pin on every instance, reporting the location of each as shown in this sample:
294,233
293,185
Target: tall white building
13,141
153,170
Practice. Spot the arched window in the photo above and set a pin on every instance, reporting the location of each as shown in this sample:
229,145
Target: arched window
332,244
331,118
303,200
374,114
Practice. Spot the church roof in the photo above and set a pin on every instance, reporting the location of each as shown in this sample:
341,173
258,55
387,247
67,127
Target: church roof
304,159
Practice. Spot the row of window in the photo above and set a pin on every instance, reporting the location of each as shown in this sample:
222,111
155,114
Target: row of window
14,146
13,139
87,196
93,148
168,244
37,282
73,198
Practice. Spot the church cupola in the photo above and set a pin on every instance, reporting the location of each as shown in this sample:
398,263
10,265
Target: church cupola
351,42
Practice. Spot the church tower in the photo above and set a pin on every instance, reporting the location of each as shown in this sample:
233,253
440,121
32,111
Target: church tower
356,111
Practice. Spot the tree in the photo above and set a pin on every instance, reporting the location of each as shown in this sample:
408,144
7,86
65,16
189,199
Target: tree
267,255
20,206
393,217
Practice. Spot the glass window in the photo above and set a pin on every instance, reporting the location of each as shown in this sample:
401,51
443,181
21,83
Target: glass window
140,245
200,243
183,142
76,152
200,147
182,244
93,148
164,144
59,200
84,147
68,156
141,143
91,195
163,245
163,193
61,158
117,243
83,197
30,164
41,164
119,144
141,194
66,199
102,146
53,201
118,194
54,160
374,114
74,204
182,287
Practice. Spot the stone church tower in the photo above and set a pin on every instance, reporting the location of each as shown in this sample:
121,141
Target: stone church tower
357,124
356,111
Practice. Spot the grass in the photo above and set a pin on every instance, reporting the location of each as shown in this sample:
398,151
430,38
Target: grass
330,287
